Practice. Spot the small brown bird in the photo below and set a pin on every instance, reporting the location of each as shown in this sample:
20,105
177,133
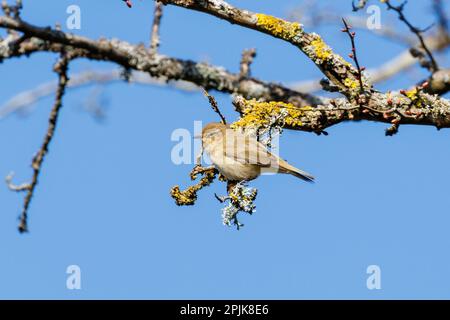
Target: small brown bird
239,156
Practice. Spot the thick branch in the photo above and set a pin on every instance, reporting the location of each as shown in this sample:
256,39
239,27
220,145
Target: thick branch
335,68
408,107
138,58
204,75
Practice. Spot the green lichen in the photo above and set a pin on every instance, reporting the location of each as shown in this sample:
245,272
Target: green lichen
257,114
278,27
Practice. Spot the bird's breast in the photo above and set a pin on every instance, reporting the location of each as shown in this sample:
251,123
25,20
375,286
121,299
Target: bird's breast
227,163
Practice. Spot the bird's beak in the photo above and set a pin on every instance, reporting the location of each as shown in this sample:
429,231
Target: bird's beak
198,136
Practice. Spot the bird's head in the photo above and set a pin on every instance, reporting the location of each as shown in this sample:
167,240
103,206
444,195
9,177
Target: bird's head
211,130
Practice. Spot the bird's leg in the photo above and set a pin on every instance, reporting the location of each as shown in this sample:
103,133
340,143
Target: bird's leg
198,159
231,185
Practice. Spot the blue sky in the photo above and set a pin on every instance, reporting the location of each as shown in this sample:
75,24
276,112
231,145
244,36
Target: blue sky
103,199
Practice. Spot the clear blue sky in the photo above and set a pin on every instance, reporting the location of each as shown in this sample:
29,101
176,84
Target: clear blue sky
103,199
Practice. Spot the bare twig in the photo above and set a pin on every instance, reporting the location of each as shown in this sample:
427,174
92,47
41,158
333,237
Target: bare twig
353,55
215,106
313,15
155,40
433,67
61,69
387,70
14,187
247,59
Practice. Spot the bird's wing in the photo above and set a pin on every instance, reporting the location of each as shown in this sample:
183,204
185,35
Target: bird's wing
246,149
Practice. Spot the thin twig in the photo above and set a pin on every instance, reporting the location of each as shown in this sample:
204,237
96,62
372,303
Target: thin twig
14,187
61,69
418,32
353,55
215,106
128,3
247,59
155,40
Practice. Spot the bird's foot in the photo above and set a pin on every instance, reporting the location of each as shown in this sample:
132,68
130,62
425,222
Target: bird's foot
237,223
222,199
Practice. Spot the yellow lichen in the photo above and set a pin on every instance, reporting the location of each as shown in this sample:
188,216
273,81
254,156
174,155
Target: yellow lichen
351,84
321,50
260,114
189,196
278,27
414,96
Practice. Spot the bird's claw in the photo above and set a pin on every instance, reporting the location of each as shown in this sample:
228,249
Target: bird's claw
221,199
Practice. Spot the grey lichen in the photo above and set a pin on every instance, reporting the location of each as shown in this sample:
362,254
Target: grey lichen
241,198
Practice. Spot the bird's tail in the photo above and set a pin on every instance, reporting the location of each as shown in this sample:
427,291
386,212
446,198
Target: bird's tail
302,175
287,168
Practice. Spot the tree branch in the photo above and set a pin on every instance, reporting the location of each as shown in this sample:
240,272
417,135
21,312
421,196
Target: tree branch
432,66
157,15
61,69
335,68
138,58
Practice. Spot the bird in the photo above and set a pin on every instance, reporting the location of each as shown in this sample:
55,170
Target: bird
239,156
